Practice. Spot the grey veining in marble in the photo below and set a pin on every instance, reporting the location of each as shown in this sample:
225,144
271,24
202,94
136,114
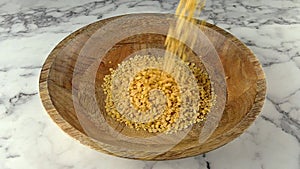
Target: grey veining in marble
30,29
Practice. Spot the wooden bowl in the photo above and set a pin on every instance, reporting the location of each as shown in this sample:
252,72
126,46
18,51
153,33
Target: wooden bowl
245,81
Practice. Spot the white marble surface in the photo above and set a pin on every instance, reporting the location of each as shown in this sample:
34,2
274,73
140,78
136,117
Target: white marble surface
29,30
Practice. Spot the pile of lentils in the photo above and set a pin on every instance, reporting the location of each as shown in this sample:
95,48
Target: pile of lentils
144,94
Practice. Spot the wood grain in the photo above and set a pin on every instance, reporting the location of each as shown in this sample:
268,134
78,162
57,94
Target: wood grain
246,89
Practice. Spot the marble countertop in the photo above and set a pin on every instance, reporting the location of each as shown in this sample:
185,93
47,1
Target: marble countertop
30,29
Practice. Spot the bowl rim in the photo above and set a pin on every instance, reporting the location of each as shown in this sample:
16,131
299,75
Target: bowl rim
85,140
